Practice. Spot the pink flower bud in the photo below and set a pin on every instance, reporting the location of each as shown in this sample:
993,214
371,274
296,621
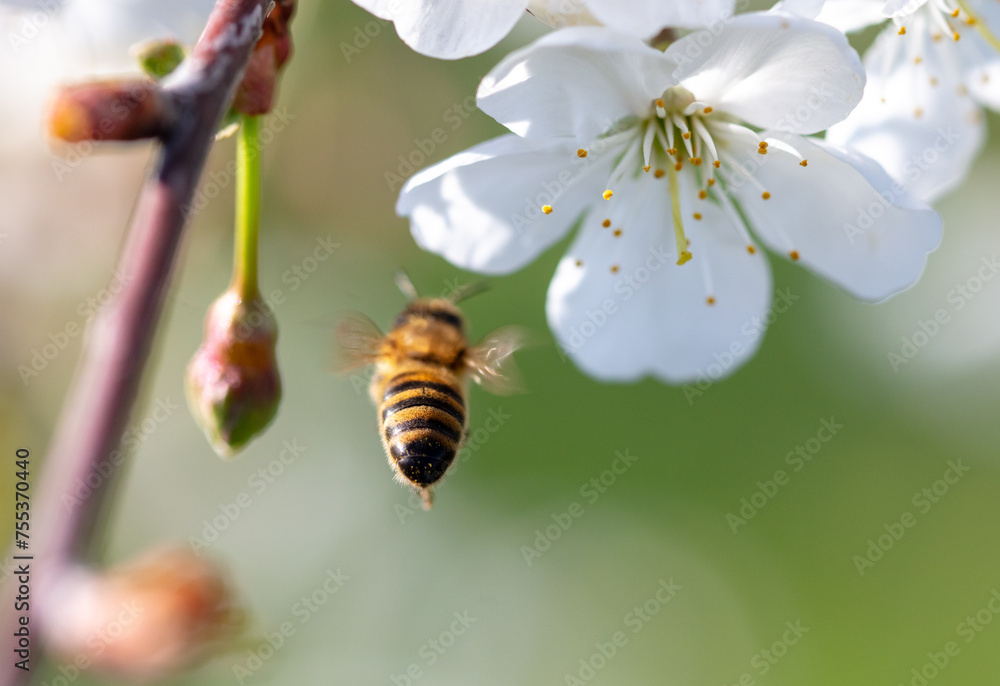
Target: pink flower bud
144,620
233,387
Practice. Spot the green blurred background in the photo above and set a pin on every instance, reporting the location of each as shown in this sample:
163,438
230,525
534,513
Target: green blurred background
334,505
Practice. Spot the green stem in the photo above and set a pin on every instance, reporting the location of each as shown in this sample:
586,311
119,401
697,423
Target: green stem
247,208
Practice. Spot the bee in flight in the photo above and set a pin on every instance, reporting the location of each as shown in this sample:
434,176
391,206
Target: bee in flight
422,372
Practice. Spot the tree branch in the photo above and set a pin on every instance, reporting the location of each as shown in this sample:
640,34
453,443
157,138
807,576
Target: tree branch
100,401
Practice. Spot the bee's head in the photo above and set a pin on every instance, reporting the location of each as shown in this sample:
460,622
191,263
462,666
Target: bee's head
437,310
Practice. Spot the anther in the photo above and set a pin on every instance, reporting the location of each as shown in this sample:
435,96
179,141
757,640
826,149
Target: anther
794,255
659,173
697,216
804,163
581,153
547,209
702,194
606,223
751,249
607,194
614,269
618,232
710,300
765,195
902,30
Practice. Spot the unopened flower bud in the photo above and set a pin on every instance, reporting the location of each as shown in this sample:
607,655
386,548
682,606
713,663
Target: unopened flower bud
144,620
233,387
110,110
158,58
256,91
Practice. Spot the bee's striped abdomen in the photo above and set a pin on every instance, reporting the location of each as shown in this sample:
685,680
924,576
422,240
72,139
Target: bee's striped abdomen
423,417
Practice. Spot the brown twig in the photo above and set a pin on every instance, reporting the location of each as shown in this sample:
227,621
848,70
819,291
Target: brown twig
99,404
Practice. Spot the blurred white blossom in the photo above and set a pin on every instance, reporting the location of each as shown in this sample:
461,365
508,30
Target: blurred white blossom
930,72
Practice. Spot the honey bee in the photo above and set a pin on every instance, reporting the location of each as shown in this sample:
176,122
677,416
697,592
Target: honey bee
422,372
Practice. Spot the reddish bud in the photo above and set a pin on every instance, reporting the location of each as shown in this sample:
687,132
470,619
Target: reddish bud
233,387
256,92
110,110
146,619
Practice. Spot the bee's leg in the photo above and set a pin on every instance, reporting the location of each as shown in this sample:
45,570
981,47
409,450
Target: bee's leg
427,497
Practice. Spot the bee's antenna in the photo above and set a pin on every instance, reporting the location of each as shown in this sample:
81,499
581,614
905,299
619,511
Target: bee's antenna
468,290
406,286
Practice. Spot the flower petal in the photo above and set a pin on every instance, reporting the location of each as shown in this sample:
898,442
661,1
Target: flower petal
844,15
652,317
575,82
482,209
774,71
840,215
449,29
916,118
645,18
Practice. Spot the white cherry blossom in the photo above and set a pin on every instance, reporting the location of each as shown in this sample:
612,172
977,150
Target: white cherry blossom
671,163
450,29
930,72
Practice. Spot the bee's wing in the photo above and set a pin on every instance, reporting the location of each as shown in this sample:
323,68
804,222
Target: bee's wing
491,364
357,341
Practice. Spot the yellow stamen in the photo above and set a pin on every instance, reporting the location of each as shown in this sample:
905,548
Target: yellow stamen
696,161
607,194
646,168
751,249
707,110
765,195
614,269
717,164
579,263
581,153
547,209
711,182
618,232
794,255
606,223
902,30
697,216
710,300
675,203
678,166
702,194
659,173
804,163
